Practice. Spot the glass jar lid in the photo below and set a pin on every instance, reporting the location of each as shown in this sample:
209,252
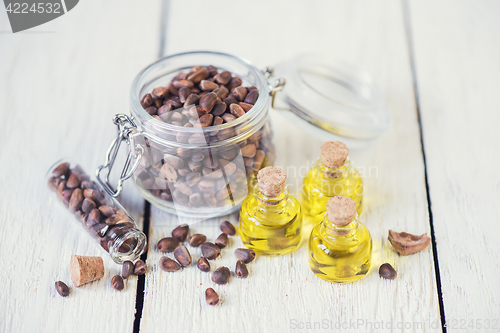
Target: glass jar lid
333,99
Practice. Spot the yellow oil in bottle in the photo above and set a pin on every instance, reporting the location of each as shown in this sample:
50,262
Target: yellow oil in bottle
322,183
271,225
340,254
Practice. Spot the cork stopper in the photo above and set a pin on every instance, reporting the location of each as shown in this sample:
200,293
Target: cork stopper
341,210
271,181
334,154
85,269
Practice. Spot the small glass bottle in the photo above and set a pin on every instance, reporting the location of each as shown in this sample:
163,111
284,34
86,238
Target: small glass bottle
340,247
332,176
270,218
104,219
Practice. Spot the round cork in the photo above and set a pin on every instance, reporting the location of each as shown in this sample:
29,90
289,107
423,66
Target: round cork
341,210
334,154
85,269
271,181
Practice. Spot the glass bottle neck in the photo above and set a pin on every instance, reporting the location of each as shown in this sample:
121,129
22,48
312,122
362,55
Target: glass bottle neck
329,173
271,204
126,243
335,230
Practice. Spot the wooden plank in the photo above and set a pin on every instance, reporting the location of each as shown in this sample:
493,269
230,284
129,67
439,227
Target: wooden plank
282,293
61,84
458,75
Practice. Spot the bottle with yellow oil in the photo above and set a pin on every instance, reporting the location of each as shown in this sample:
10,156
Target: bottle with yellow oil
333,175
270,218
340,247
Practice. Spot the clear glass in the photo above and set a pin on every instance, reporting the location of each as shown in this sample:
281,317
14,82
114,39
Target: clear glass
201,172
102,217
332,99
340,254
322,183
271,225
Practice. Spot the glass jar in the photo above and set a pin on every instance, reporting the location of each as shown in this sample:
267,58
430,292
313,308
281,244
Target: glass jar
271,225
102,217
340,247
322,183
197,172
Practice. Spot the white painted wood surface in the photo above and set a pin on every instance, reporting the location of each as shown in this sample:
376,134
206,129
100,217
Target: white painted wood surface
457,52
282,293
60,85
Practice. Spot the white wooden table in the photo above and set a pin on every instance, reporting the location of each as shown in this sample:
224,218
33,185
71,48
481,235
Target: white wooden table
437,63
